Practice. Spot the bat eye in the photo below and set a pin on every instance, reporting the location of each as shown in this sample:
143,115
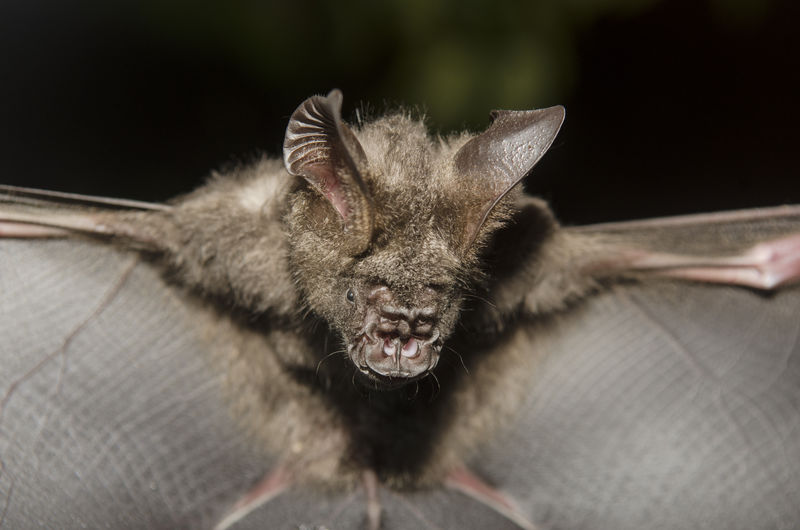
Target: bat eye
350,295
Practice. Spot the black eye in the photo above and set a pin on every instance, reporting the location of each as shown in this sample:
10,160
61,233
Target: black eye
351,296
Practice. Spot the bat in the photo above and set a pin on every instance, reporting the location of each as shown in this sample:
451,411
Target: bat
382,330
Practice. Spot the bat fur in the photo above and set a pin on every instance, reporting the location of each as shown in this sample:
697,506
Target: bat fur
392,241
271,245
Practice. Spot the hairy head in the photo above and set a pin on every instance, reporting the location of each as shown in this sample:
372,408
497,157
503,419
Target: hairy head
386,224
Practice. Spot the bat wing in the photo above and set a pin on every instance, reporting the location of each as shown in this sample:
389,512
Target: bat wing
435,509
657,406
754,248
664,403
660,405
112,412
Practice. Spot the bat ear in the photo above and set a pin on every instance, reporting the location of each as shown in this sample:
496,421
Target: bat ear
321,148
497,159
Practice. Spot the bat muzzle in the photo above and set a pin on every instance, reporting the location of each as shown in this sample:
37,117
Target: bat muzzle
397,343
387,354
398,358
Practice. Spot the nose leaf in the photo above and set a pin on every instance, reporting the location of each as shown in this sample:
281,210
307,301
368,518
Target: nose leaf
398,341
389,348
410,348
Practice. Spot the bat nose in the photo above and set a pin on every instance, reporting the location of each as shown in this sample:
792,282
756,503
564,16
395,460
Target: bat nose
401,358
398,348
398,341
394,358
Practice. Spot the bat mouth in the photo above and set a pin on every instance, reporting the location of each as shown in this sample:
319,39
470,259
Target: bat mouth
394,360
386,383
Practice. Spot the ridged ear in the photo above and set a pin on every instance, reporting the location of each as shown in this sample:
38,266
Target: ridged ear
497,159
322,149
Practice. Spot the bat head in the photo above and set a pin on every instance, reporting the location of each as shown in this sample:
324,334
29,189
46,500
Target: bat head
386,225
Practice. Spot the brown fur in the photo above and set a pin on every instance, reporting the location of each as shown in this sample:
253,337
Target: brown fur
429,224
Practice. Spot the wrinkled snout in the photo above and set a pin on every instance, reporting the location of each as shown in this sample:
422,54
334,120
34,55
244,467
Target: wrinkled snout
399,342
400,346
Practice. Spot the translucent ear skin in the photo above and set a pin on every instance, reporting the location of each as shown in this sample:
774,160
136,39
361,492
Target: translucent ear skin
497,159
321,148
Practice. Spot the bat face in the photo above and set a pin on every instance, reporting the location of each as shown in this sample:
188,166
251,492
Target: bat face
392,307
385,235
394,304
405,297
397,334
380,244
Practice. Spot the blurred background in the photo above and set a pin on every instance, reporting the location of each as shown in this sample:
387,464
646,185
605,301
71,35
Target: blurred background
673,106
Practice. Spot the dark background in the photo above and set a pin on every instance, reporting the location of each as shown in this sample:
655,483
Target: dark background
672,106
